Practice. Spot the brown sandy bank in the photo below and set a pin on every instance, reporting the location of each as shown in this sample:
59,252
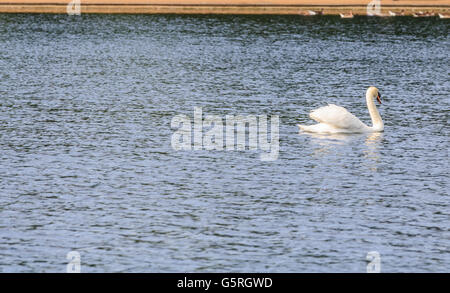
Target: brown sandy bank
293,7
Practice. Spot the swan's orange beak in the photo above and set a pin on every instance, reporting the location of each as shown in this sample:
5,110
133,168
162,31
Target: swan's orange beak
379,98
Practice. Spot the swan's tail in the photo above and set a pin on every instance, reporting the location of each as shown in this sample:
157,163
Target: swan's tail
305,127
319,128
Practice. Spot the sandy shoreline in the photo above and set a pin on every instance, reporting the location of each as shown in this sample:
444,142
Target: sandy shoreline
294,7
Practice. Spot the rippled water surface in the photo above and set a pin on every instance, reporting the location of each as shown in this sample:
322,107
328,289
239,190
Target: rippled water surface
86,162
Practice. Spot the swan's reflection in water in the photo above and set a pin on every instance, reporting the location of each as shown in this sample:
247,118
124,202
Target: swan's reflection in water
328,145
372,153
352,154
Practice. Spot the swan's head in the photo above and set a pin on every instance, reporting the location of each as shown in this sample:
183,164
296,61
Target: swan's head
373,92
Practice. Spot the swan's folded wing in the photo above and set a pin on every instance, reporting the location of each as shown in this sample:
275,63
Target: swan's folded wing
337,117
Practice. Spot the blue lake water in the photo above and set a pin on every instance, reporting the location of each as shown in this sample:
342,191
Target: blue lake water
86,162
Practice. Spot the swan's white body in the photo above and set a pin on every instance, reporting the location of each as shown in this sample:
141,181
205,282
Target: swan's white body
336,119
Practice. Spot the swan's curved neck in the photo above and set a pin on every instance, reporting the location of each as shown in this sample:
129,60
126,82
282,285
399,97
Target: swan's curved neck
377,122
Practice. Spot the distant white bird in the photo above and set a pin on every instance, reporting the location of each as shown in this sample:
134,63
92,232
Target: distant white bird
310,12
346,15
423,14
401,13
315,12
336,119
441,15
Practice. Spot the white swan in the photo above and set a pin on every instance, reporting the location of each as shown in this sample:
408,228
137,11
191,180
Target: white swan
335,119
